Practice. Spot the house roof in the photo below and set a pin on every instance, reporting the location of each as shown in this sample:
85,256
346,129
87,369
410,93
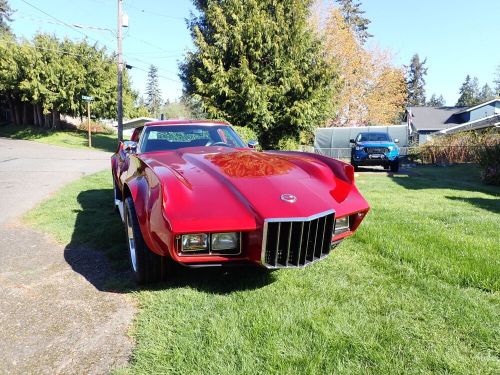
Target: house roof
482,123
434,118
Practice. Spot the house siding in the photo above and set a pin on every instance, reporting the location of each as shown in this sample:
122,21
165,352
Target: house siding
484,111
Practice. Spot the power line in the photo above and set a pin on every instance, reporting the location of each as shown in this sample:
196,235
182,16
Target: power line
153,13
60,21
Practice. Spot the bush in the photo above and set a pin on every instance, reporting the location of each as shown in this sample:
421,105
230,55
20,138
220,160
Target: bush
96,127
246,133
488,158
288,144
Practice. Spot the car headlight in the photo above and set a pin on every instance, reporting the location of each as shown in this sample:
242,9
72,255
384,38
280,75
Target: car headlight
390,148
224,241
359,148
195,242
342,225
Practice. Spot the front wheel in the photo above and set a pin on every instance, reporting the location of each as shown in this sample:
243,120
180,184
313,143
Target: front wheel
355,166
395,166
147,266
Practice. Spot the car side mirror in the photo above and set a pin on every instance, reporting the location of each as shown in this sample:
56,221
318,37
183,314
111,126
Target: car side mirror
352,141
396,140
252,144
130,147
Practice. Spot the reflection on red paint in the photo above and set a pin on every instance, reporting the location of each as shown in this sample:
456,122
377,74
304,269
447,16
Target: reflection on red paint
250,164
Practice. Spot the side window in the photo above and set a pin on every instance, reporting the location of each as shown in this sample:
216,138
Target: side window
227,137
136,134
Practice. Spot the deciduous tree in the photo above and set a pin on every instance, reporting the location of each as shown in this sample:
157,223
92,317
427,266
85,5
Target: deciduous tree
371,90
257,64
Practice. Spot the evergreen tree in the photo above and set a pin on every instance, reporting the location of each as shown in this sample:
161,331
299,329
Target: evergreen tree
486,94
153,92
5,13
496,82
353,16
436,101
469,92
415,81
256,63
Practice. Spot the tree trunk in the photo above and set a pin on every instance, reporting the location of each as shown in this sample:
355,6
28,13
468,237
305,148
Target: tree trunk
12,109
25,113
39,115
35,115
56,118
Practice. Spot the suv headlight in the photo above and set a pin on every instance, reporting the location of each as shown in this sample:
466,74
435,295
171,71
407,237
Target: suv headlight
224,241
359,148
390,148
195,242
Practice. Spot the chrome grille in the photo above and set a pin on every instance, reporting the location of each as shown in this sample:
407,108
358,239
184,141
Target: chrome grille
376,150
296,242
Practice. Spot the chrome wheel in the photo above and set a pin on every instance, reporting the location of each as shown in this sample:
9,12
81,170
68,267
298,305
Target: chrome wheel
131,242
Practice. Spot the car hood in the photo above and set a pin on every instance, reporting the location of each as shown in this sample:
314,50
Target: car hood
240,187
376,144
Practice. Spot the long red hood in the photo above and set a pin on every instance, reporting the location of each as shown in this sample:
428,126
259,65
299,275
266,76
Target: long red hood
233,189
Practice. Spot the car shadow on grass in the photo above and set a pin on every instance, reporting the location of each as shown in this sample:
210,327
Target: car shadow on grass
98,252
492,205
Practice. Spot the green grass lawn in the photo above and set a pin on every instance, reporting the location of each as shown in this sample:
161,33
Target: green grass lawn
416,290
66,138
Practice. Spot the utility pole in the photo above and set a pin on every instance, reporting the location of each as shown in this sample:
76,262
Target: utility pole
120,73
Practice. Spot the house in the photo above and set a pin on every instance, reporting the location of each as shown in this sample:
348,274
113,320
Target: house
425,122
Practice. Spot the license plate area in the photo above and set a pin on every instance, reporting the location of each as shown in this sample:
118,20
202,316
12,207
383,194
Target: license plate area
376,156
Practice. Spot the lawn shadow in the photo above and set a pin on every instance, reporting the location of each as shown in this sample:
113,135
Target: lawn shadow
459,177
98,252
492,205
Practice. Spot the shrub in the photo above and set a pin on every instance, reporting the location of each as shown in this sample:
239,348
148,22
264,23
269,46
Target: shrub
488,157
246,133
96,127
289,144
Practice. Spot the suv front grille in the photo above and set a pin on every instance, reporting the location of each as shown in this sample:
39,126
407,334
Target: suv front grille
296,242
376,150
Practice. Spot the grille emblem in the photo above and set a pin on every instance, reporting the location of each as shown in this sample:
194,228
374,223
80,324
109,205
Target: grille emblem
290,198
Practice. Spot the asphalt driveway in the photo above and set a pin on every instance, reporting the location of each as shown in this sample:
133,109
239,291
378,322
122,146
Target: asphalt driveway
52,320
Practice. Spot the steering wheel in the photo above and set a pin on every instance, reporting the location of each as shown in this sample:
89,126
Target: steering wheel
217,144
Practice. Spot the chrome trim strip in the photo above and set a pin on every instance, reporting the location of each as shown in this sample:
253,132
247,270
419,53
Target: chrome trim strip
277,244
310,218
289,243
291,220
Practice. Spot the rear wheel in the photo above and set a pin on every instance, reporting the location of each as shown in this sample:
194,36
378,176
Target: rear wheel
147,266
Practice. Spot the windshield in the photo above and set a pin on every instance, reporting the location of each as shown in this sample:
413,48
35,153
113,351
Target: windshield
373,137
172,137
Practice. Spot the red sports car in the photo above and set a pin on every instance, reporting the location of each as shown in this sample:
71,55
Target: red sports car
193,193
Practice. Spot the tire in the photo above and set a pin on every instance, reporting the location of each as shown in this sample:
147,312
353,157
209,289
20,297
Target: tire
356,167
386,166
395,166
147,266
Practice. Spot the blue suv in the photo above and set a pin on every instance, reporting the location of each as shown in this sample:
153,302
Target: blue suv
375,149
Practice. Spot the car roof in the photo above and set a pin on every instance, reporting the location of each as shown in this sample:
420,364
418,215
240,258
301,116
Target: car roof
186,122
374,133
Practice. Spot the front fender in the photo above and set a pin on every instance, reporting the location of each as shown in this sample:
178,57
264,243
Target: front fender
145,191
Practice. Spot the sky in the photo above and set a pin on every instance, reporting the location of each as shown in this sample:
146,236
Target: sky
457,37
